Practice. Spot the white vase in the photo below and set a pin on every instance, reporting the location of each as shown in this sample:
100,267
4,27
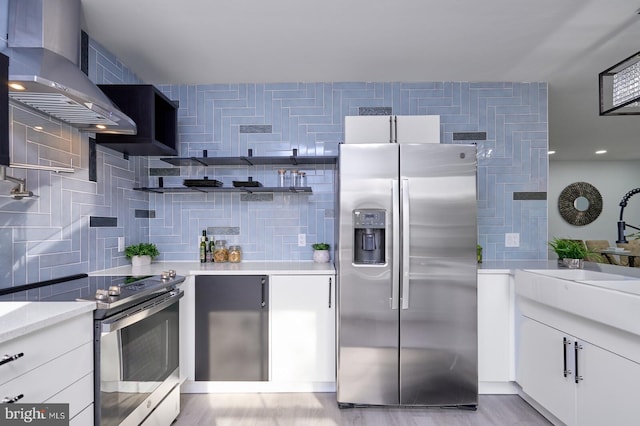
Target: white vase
140,260
321,256
571,263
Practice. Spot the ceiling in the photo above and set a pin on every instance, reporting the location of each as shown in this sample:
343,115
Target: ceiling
565,43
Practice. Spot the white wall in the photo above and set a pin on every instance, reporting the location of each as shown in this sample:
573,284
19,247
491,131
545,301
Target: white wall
613,179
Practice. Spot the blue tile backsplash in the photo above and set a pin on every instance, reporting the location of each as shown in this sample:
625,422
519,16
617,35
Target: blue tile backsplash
50,236
309,117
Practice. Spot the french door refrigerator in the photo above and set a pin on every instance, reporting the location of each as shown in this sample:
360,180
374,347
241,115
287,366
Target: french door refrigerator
407,286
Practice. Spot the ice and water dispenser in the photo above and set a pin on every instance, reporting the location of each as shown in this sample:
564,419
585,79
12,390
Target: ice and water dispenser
369,237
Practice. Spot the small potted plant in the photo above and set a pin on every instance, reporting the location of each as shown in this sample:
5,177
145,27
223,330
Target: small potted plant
320,252
571,253
141,254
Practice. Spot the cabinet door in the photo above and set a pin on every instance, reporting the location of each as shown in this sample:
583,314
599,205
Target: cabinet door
417,129
303,328
367,129
231,328
541,369
607,393
495,332
387,129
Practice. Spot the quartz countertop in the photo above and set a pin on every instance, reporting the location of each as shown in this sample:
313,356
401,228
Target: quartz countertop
242,268
20,318
510,266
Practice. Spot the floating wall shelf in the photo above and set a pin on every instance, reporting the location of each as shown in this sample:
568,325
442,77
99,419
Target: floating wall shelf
250,160
205,189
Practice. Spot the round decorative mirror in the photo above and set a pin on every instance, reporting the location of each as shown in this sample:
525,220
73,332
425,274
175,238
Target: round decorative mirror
580,203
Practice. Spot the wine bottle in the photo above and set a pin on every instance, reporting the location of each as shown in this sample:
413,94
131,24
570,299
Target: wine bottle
203,250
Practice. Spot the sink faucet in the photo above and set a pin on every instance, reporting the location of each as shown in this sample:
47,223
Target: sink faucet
621,224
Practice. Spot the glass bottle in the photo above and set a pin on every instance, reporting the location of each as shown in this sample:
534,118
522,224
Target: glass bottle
210,248
220,252
235,254
203,250
207,246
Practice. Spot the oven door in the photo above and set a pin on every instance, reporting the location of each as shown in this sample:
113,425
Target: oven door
136,360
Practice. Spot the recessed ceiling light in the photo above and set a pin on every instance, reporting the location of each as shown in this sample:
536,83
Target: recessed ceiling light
602,151
16,86
101,126
551,152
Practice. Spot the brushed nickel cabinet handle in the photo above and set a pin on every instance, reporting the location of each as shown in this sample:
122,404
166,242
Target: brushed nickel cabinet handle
565,343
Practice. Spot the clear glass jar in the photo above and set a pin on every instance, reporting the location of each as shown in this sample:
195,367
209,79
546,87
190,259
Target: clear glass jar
235,254
302,177
295,178
220,252
282,178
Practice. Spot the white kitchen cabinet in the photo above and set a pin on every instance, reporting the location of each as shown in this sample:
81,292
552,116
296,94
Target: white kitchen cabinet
608,391
605,392
56,365
395,128
541,369
496,363
302,329
556,346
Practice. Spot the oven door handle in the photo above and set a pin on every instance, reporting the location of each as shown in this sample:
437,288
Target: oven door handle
138,313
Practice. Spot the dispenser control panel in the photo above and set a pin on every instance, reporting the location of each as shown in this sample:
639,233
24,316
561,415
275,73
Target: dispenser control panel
369,218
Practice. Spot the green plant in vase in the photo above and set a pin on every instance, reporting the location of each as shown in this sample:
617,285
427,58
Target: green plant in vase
320,252
142,253
571,253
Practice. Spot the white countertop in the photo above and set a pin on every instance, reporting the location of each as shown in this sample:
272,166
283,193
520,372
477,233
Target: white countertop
510,266
242,268
19,318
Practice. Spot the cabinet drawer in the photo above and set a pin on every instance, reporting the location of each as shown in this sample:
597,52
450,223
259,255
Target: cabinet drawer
44,345
84,417
41,383
79,395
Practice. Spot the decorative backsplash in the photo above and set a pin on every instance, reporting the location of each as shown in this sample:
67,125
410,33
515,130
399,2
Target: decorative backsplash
508,122
73,224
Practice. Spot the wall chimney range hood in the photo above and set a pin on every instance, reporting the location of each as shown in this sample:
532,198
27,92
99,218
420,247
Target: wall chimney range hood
43,45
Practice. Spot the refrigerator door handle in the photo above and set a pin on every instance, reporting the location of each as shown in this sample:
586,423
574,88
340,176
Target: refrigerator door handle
405,244
395,128
390,129
395,248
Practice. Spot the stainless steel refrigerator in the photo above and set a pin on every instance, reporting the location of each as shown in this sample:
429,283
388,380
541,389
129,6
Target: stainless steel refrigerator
407,286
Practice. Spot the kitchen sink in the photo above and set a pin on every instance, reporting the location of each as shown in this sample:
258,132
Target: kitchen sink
630,286
580,275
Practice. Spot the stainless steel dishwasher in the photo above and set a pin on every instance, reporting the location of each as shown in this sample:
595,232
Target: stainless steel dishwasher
232,328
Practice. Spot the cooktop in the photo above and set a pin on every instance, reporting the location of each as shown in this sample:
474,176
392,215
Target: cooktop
107,291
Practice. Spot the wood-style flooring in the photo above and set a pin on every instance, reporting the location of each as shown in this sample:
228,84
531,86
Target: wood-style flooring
319,409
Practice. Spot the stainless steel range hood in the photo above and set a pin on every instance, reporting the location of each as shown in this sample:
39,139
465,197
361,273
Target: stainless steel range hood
43,41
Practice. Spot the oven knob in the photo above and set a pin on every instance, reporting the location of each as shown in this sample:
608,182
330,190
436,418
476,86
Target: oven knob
102,294
114,290
164,275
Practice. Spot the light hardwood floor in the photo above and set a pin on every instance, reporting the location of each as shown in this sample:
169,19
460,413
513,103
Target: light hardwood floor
319,409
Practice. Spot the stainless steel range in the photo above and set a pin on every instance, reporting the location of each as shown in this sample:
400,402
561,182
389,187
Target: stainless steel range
136,350
136,338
